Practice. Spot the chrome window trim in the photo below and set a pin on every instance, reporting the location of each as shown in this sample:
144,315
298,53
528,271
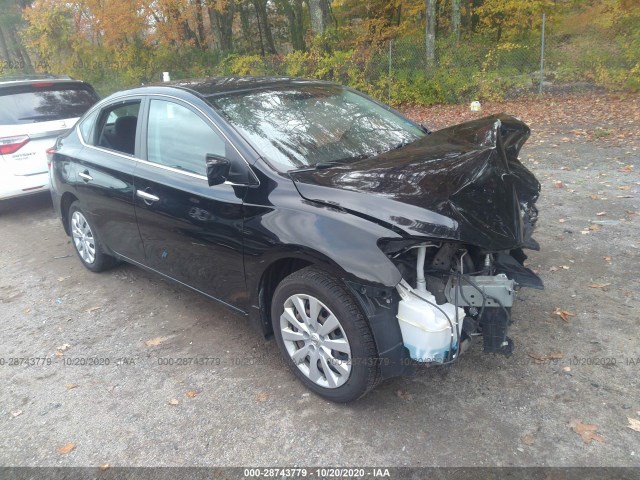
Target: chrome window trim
164,167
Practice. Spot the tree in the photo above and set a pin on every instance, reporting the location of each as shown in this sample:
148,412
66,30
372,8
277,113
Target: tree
320,13
264,29
221,15
430,31
455,19
12,50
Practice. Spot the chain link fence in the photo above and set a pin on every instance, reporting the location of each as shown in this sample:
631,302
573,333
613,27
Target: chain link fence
487,69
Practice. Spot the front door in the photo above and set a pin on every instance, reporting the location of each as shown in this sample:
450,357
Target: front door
191,232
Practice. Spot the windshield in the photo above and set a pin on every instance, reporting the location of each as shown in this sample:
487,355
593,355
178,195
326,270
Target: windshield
303,126
32,104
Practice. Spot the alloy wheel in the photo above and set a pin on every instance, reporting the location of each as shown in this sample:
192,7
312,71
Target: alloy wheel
83,237
315,341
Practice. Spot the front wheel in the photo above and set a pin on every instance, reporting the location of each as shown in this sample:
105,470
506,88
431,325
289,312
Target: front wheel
86,242
323,336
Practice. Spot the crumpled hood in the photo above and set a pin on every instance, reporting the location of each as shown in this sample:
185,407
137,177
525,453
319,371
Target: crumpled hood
461,183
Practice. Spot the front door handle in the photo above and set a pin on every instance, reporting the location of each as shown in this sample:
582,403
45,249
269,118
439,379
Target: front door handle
147,197
85,176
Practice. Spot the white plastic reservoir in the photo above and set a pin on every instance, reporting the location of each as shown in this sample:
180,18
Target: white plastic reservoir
426,331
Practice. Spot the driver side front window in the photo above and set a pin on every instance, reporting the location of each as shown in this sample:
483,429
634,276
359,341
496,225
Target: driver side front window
177,137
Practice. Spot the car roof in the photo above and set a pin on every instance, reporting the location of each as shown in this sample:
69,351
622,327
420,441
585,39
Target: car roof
207,87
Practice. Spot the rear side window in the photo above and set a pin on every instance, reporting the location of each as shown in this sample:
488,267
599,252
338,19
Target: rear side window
116,127
53,101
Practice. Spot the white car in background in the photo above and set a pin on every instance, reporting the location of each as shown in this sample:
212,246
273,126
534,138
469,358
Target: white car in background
34,110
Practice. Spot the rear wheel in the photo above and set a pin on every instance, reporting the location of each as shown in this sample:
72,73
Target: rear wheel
324,338
86,242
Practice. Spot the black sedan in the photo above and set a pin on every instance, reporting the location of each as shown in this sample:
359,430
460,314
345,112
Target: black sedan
361,241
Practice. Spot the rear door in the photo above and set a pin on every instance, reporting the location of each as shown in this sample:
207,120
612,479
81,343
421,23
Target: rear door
103,174
32,116
191,232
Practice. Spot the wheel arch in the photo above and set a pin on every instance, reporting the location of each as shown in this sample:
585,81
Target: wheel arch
65,203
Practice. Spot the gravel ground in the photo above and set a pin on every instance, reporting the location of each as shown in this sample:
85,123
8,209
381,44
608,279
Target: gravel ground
245,408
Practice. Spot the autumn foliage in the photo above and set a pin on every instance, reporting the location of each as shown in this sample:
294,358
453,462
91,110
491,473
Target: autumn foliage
442,51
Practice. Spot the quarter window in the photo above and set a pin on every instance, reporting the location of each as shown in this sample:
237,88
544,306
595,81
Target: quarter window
87,125
177,137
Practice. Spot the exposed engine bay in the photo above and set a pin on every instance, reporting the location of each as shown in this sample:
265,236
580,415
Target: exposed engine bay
452,293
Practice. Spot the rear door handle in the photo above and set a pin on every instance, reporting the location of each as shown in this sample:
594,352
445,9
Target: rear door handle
85,176
147,197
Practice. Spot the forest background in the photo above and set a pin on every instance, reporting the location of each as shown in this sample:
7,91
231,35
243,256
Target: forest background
404,52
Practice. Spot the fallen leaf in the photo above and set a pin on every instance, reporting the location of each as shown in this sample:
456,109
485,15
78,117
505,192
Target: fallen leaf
192,393
27,310
599,285
16,413
173,402
561,220
601,214
563,314
544,358
58,353
93,309
566,369
558,184
69,447
154,342
71,386
565,267
527,440
104,466
634,424
587,432
403,394
624,187
626,169
261,397
594,227
64,348
595,197
606,258
555,355
553,269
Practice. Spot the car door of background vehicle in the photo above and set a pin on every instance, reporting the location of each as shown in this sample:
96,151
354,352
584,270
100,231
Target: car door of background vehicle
191,232
104,175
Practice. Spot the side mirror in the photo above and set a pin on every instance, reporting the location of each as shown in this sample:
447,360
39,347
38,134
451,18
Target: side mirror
217,169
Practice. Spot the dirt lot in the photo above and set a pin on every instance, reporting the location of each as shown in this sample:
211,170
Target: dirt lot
245,408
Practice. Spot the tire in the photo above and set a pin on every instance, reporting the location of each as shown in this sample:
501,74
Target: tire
86,242
343,373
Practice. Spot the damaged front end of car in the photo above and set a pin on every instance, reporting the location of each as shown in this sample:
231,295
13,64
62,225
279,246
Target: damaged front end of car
463,209
452,292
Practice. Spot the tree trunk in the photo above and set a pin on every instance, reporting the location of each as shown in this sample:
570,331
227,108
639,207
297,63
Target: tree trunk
4,50
455,19
320,13
430,31
246,26
222,26
292,9
199,32
22,60
263,21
